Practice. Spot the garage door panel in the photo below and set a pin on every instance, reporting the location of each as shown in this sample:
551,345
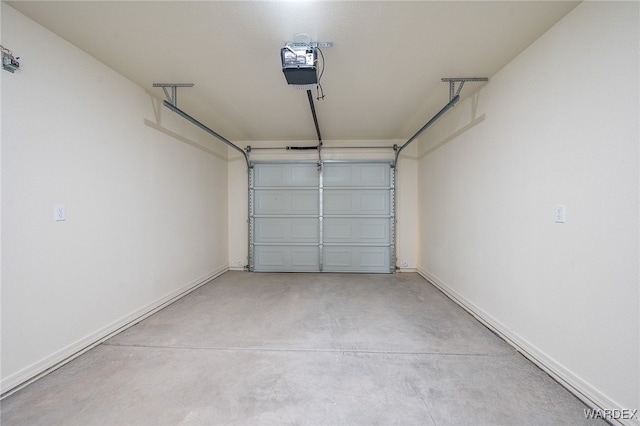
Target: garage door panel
337,257
305,175
269,176
305,202
375,230
284,202
337,175
374,174
356,230
338,230
337,202
293,174
305,259
287,258
374,202
336,219
356,259
374,257
354,202
356,175
282,230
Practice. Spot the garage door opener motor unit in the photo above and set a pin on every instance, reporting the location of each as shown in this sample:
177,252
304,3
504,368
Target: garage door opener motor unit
300,60
299,64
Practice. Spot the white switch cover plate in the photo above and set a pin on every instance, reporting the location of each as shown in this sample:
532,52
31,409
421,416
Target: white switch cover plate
560,214
60,213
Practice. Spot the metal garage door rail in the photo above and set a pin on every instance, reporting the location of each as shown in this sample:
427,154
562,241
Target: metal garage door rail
454,97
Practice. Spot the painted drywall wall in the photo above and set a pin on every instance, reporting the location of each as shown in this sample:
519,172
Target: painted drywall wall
557,126
144,191
406,198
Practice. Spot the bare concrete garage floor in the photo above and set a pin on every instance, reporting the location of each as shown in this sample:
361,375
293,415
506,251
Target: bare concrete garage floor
310,349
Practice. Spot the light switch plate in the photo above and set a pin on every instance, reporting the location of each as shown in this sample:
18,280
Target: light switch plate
560,214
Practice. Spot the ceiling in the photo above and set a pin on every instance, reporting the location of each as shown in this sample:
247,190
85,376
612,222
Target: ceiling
381,78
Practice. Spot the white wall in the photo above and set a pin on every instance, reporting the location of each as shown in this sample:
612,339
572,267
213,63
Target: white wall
145,195
406,198
558,125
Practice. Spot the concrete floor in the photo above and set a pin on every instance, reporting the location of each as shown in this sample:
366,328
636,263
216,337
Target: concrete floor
311,349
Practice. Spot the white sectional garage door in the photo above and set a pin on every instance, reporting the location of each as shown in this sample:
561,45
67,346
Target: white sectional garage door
333,218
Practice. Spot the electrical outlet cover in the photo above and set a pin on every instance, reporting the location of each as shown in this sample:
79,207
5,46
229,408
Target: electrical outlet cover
60,213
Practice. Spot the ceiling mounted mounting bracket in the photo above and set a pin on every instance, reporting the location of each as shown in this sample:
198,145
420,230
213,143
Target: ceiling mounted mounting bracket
310,44
171,104
303,41
173,97
454,97
452,84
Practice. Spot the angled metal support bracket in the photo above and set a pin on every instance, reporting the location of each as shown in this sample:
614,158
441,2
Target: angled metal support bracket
173,97
454,97
452,84
171,104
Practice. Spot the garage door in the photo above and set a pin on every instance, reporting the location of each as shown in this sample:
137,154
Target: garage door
335,218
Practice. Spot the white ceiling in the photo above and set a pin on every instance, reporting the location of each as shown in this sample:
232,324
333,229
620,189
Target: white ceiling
382,76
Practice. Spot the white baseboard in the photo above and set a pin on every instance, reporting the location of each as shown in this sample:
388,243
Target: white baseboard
56,360
593,398
237,268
